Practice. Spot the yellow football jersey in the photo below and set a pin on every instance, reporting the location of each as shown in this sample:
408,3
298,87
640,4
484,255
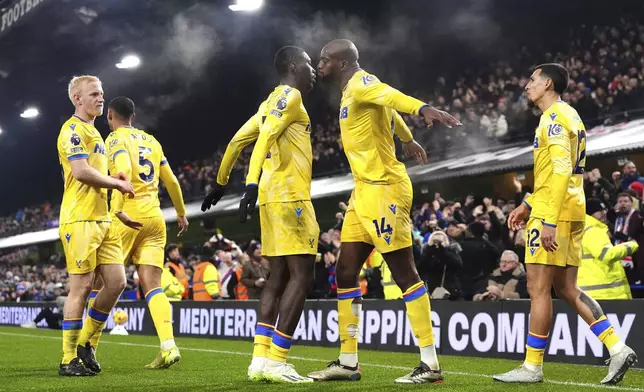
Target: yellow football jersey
283,149
559,164
368,120
145,158
79,139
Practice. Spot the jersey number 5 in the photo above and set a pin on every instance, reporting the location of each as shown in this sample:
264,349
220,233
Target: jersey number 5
145,162
580,165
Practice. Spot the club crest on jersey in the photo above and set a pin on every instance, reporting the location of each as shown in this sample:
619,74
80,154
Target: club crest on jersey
68,237
553,116
75,139
281,103
393,208
298,212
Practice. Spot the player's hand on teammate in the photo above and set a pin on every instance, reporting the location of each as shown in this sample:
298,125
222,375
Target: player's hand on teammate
127,221
213,197
548,241
124,185
247,203
414,150
430,114
517,216
182,221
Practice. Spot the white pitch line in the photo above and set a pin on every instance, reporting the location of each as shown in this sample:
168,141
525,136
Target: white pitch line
376,365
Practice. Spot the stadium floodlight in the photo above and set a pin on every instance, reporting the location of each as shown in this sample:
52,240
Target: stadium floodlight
0,131
246,5
30,113
128,62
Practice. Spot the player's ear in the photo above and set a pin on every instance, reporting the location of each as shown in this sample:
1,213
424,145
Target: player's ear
133,117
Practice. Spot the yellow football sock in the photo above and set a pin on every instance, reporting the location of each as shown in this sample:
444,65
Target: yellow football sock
535,349
349,306
161,313
94,322
280,345
605,332
419,313
262,341
97,336
71,331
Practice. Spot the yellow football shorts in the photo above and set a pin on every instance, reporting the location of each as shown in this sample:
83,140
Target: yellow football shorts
144,246
88,244
568,237
379,215
289,228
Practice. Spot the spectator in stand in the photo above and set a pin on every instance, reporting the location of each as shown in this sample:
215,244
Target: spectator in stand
255,271
480,257
505,282
439,265
627,177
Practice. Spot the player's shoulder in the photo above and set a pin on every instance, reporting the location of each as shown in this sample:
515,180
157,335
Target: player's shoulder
286,97
562,113
75,125
362,79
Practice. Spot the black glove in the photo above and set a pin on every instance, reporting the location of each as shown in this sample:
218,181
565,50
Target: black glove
248,201
213,197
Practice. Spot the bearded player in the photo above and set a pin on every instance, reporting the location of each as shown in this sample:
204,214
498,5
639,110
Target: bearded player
89,240
379,208
555,228
289,228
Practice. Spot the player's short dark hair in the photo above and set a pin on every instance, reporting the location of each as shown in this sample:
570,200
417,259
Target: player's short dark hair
284,56
558,73
170,247
123,106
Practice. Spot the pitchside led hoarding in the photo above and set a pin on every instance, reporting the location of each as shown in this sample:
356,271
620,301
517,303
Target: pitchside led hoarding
484,329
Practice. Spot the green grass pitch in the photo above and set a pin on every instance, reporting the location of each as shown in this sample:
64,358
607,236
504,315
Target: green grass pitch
29,362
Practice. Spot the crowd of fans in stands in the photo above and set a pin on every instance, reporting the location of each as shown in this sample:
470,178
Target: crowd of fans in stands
606,65
461,245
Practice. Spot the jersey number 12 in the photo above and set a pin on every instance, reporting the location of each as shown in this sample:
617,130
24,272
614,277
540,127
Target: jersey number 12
580,165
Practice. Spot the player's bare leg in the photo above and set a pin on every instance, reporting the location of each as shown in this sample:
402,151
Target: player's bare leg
540,280
79,287
291,305
161,313
267,314
622,357
113,276
347,272
404,273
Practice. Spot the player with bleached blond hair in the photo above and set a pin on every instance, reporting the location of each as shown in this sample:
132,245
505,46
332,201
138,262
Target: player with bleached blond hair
91,246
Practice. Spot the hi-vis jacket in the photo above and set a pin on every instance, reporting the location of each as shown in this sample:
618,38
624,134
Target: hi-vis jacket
601,274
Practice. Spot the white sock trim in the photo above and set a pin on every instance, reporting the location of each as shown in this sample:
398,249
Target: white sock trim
350,360
167,345
428,357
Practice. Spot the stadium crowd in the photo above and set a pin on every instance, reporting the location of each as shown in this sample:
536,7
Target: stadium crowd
463,251
606,65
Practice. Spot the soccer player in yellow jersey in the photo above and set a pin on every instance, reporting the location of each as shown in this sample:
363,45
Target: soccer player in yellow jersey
140,221
379,208
89,241
555,228
289,228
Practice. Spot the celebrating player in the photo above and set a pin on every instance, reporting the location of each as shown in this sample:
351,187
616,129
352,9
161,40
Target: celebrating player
555,228
379,208
90,242
289,227
140,221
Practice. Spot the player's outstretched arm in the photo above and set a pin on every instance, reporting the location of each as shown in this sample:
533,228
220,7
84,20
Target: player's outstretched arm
279,118
86,174
246,135
375,92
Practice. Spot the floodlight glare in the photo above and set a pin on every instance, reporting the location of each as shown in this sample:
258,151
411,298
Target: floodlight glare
30,113
129,61
246,5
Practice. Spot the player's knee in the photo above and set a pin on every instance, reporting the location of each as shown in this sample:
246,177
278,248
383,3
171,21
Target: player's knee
537,289
568,294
